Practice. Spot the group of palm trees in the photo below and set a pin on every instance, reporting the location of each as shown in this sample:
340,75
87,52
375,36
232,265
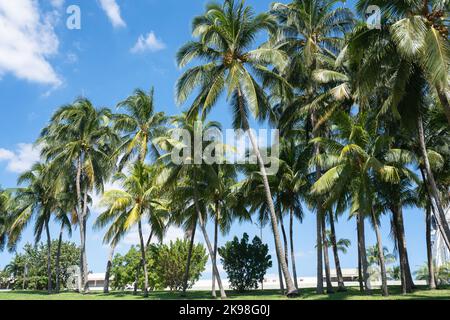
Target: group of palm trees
363,116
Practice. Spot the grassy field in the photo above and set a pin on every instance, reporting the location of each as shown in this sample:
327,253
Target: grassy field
306,294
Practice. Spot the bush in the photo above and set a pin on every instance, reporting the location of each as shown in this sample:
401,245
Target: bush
166,265
125,269
171,264
29,268
246,264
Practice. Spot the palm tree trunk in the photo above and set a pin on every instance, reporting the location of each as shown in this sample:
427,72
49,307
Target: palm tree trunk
407,282
49,258
188,264
360,273
319,288
337,262
208,243
382,262
444,99
319,213
144,260
291,291
280,276
136,278
216,235
362,248
431,278
441,220
291,238
149,240
326,258
58,256
108,267
285,241
83,246
211,253
80,223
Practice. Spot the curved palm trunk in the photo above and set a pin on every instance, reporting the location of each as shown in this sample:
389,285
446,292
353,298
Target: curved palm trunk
444,99
384,286
291,238
149,240
280,277
362,250
432,187
49,258
208,244
326,259
211,253
188,264
337,262
216,235
431,278
58,256
144,260
291,291
407,282
108,267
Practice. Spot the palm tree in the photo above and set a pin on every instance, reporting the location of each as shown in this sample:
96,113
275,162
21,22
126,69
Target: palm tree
420,38
129,207
311,33
225,206
225,32
188,179
414,52
140,126
37,200
79,140
6,219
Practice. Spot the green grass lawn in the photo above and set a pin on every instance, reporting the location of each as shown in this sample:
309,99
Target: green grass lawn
306,294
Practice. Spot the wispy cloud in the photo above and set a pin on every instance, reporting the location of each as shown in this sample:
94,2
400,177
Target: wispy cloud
57,3
27,40
112,10
21,159
148,42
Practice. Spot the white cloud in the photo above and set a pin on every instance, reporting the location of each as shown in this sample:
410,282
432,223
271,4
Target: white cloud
27,40
21,159
57,3
148,42
112,10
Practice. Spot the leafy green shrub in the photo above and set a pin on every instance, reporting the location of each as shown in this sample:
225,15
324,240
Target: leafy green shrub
29,268
166,265
246,264
127,268
171,263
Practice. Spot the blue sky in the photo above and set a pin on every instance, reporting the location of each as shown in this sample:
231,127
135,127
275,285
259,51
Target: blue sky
122,45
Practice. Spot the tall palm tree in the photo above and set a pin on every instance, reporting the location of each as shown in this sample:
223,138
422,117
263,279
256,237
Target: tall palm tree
137,202
36,201
225,206
79,140
225,32
140,126
188,180
311,33
413,49
357,157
